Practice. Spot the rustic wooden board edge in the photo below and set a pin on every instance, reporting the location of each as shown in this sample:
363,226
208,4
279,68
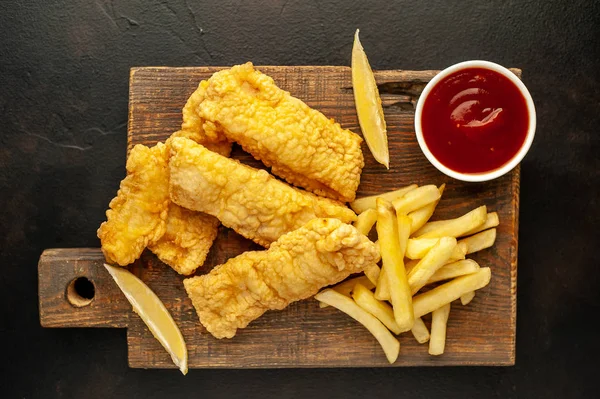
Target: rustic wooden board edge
130,109
508,362
516,198
57,268
397,365
382,75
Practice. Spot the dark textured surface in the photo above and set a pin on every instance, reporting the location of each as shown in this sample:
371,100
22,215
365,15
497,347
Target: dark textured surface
64,68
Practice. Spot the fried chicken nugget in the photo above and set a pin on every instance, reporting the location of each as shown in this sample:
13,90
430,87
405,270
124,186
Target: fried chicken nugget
248,200
295,267
300,144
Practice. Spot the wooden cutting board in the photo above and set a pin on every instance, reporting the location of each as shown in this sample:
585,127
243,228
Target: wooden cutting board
303,335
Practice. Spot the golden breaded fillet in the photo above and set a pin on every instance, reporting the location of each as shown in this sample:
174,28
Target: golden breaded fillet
188,235
137,215
321,253
187,239
250,201
142,215
300,144
192,126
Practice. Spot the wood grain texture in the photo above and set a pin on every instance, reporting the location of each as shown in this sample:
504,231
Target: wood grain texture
482,333
57,268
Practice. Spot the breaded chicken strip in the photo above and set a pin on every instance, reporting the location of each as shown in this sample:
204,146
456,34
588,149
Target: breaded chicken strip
300,144
323,252
142,215
138,214
248,200
189,235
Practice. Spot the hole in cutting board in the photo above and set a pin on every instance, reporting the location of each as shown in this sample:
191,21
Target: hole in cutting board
80,292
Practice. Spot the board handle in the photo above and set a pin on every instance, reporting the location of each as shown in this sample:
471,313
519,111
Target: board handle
75,290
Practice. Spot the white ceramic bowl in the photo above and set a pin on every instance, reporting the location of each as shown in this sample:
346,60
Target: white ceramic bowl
476,177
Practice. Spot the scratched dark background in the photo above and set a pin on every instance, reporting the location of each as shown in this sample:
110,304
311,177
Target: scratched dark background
64,68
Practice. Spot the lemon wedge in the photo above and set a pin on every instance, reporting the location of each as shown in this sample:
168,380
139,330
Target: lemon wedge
368,104
153,312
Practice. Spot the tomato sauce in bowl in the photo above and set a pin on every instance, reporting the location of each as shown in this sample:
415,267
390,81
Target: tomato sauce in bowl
475,121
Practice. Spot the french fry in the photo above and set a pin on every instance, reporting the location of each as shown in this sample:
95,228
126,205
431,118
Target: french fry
456,227
372,272
429,226
393,234
417,248
459,253
403,223
453,270
421,216
362,204
365,221
492,220
450,270
480,241
420,331
346,287
439,321
400,294
382,290
417,198
410,264
435,259
384,312
465,299
450,291
388,342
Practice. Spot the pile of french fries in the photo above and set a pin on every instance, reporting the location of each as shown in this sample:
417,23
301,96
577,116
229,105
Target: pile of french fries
414,253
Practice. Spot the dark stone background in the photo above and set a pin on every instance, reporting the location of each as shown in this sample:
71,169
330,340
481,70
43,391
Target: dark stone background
64,68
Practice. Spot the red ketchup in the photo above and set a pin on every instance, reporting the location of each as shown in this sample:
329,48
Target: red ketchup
474,121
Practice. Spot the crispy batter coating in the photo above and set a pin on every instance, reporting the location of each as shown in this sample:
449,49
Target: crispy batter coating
300,144
187,239
137,215
192,126
250,201
321,253
142,215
